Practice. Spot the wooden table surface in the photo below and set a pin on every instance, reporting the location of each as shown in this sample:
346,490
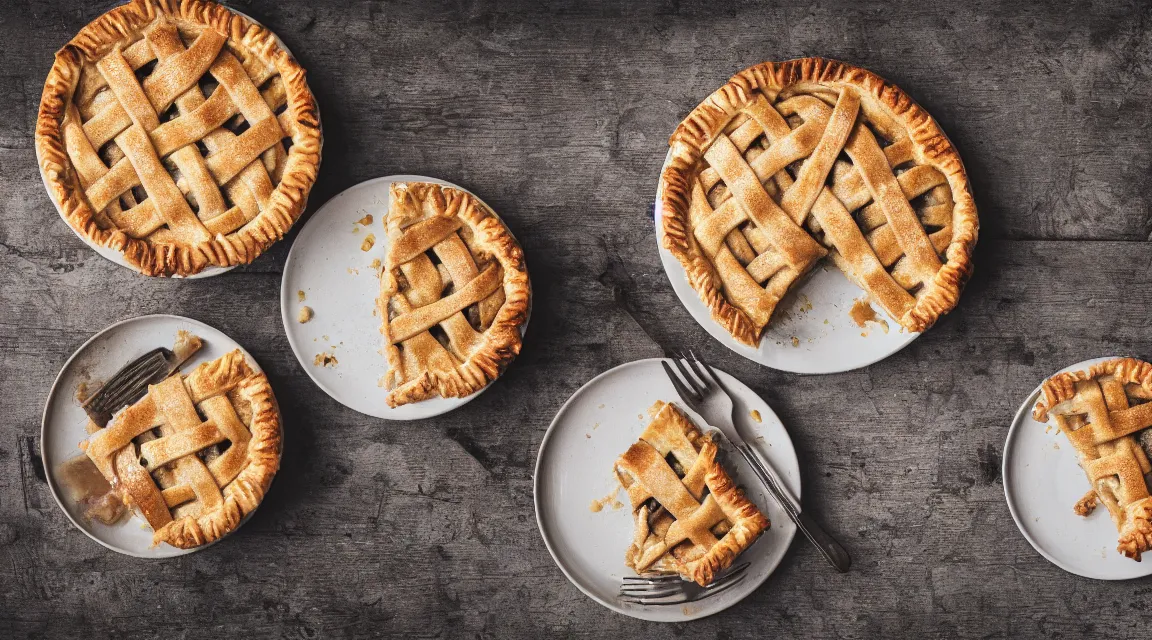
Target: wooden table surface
558,116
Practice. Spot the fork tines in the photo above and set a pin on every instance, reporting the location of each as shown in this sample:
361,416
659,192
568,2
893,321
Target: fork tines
650,589
127,385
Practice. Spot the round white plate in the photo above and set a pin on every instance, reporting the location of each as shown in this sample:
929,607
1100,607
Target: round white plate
115,256
574,468
1042,482
341,286
63,424
810,331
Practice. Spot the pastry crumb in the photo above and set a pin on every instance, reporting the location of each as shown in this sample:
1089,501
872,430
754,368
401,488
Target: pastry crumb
300,295
325,360
305,314
609,500
755,415
1086,505
368,242
366,220
862,312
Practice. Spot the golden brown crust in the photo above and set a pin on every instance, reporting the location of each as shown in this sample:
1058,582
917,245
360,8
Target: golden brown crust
500,342
124,24
251,400
1062,386
246,492
747,523
697,132
1093,408
645,474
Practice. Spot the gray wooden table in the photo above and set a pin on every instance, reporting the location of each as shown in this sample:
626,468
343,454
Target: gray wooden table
558,117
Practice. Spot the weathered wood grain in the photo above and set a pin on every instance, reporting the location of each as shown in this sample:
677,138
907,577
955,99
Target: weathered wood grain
557,115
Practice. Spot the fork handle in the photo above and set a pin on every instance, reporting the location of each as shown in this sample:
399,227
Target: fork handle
832,551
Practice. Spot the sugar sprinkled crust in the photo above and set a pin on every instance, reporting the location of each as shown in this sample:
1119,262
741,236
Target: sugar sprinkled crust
701,128
126,24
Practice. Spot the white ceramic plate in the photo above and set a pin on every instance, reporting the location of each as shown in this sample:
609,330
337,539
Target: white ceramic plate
574,468
63,424
328,264
1042,482
115,256
810,331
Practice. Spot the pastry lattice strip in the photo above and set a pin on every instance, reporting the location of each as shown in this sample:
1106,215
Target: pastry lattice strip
185,455
700,522
452,293
114,106
1100,412
758,262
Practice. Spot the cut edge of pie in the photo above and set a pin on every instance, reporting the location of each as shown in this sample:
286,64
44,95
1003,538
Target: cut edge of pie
426,219
937,294
250,399
248,235
1093,409
700,491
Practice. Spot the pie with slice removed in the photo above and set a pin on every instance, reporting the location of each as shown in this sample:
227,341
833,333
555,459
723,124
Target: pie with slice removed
454,294
791,163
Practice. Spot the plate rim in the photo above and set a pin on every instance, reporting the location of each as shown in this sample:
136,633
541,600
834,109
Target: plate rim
712,327
286,297
637,613
1017,420
55,490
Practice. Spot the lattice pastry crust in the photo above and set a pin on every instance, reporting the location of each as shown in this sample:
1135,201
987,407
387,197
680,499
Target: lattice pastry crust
454,294
197,453
179,134
1101,411
791,162
690,517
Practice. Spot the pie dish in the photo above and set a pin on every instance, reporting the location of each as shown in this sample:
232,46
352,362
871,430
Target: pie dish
197,453
454,294
179,134
690,517
792,162
1102,411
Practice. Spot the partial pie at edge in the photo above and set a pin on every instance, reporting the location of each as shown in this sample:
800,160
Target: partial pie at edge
179,134
690,517
790,162
454,294
1104,412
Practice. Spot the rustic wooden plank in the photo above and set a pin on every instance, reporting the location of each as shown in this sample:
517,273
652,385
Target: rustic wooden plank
557,115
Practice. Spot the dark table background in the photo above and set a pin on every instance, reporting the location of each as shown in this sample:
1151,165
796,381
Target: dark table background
558,116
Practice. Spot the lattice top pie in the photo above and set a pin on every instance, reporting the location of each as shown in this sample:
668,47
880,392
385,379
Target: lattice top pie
179,134
454,294
197,453
792,162
690,517
1102,411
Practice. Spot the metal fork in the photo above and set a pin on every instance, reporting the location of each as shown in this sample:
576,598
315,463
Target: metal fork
705,395
129,384
651,589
